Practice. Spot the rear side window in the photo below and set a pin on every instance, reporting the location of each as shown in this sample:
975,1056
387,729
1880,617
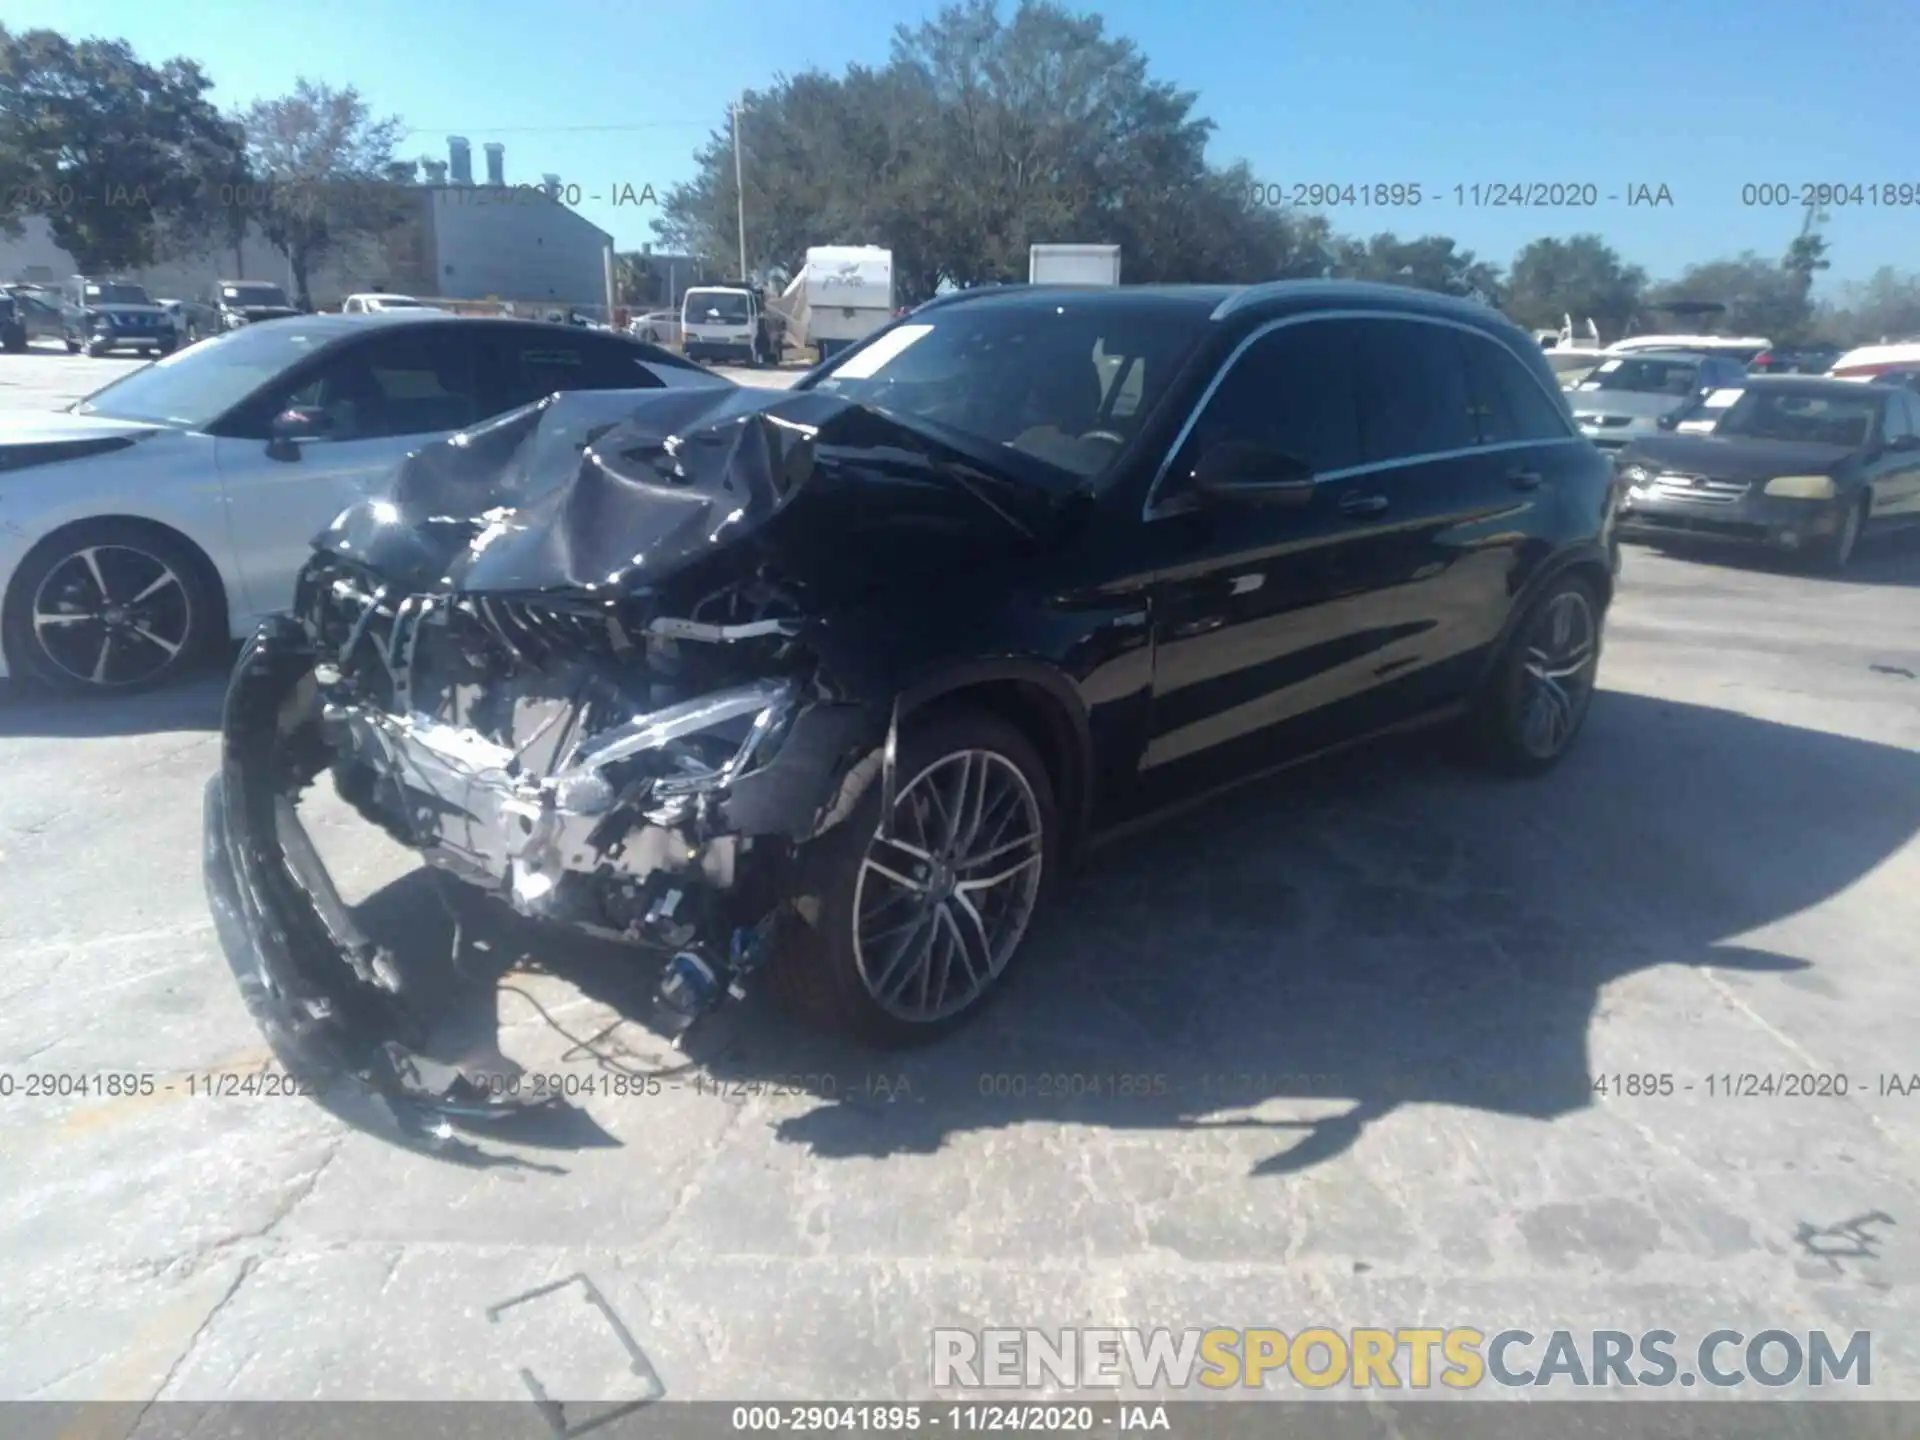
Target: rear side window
534,366
1511,405
1414,398
1292,390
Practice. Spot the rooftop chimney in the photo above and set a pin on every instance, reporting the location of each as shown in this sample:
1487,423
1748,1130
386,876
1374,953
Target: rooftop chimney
460,155
436,171
496,164
550,184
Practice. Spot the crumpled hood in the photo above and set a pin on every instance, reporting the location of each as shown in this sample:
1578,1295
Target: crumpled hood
613,491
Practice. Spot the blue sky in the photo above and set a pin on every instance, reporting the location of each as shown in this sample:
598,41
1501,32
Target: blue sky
1702,98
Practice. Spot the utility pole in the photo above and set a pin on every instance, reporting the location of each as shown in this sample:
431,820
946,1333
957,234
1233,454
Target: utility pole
739,191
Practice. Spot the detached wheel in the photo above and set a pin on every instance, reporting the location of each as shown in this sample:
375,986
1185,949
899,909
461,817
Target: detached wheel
1537,698
920,920
108,609
1836,553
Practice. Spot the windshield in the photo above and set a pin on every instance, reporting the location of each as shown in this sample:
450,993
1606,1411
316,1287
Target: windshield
1068,383
716,307
253,295
117,294
1646,375
1791,415
195,387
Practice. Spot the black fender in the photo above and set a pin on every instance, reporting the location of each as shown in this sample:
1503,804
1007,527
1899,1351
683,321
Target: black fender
1067,743
1592,558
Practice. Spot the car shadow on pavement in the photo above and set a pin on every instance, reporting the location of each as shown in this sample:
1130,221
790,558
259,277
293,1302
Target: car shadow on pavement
192,705
1382,930
1881,560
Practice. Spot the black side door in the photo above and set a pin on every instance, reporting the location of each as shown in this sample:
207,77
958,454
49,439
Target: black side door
1264,630
1448,439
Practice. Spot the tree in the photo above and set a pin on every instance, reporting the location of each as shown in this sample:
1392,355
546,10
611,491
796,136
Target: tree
325,174
979,138
1429,262
1886,306
1580,276
117,154
1762,297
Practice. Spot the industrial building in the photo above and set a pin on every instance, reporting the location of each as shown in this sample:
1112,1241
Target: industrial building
460,241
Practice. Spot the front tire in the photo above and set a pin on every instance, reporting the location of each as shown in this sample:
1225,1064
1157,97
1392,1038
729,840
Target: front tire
917,927
1535,701
109,608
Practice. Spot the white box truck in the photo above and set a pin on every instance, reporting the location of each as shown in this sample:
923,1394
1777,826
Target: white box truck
1073,265
842,294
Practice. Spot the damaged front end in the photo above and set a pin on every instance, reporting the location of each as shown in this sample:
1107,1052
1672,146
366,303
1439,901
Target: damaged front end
650,762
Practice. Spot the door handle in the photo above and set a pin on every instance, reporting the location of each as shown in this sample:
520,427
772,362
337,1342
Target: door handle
1524,479
1363,504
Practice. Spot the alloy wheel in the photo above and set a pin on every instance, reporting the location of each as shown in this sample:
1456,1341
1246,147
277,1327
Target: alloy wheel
947,887
1558,668
111,615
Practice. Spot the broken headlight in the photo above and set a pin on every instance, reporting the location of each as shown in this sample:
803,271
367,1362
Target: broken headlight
700,745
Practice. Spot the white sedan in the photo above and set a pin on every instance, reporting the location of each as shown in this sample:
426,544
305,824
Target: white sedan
380,303
173,509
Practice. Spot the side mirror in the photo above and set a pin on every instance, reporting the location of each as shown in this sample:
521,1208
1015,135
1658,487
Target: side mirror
290,427
1668,421
1236,472
1904,442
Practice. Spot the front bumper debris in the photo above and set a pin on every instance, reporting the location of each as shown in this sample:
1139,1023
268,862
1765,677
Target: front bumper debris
695,865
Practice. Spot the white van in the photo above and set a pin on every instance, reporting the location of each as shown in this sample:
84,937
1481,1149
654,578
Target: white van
726,322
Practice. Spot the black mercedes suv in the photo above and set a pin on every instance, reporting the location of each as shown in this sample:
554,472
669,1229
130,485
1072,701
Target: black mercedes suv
845,674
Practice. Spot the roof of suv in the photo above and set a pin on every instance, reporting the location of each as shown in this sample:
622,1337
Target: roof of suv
1267,300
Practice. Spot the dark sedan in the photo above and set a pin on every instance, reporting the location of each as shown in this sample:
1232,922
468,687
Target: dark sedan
1794,463
854,669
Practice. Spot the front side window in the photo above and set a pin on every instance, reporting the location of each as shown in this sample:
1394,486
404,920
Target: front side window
534,367
1293,391
407,384
1414,395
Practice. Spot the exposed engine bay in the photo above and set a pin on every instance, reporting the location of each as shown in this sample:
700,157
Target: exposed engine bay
593,659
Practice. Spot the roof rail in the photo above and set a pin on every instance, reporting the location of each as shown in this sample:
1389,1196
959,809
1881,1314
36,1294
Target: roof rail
1246,295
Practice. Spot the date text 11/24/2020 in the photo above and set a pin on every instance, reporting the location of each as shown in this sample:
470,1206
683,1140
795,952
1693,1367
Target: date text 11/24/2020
1479,195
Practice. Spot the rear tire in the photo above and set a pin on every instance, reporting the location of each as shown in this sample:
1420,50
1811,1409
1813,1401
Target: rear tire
73,346
906,948
1534,702
167,613
98,348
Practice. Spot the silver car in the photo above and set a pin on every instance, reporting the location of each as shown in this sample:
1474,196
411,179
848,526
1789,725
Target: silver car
1625,397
